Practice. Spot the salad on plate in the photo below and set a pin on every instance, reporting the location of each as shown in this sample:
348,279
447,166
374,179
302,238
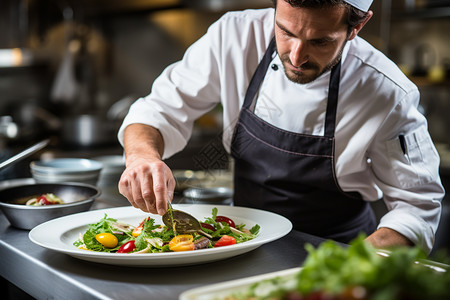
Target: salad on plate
114,236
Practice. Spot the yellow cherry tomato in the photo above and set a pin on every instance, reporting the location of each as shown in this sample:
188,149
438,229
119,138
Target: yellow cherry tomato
184,242
107,239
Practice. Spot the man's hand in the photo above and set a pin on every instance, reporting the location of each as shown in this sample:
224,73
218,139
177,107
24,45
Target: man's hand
147,181
148,185
384,238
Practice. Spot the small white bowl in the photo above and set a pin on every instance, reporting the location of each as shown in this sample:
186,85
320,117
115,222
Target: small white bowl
66,166
66,170
52,178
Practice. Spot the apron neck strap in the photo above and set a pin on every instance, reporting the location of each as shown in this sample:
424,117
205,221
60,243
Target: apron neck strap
259,75
333,94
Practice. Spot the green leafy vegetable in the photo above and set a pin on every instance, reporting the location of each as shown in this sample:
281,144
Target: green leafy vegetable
105,225
334,272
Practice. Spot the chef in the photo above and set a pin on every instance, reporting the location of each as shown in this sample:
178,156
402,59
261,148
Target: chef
318,121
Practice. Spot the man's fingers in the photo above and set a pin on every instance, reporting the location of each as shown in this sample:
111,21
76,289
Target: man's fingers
148,187
147,194
160,191
125,188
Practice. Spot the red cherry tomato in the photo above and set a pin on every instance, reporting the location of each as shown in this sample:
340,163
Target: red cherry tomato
225,240
143,221
226,220
127,247
208,226
44,201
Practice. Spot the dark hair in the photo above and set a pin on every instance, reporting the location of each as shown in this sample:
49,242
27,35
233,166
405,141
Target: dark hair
354,16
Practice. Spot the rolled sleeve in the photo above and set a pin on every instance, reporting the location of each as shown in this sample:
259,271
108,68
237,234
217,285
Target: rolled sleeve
143,113
412,226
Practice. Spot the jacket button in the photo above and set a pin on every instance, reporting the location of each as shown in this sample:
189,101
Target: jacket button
274,67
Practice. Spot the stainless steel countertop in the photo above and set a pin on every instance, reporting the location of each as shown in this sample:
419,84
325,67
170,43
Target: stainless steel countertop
45,274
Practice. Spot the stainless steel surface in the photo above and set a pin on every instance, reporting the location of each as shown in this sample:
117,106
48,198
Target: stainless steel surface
78,197
27,152
24,263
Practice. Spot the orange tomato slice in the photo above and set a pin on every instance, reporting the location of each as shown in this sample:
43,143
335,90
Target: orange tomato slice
137,231
184,242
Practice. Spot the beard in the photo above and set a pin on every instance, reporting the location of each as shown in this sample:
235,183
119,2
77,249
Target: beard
313,69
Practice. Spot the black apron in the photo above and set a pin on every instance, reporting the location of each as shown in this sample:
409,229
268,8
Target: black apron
293,174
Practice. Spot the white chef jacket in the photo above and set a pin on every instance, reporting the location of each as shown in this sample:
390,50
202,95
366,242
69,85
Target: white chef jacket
377,104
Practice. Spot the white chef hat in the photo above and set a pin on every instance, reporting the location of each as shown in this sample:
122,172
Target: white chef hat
360,4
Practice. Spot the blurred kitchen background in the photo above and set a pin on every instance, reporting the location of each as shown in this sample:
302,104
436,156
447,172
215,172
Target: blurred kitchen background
69,70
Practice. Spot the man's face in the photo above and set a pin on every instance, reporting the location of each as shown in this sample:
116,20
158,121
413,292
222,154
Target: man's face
309,41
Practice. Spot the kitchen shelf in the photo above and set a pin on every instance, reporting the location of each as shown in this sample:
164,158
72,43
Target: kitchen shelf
108,8
424,13
423,81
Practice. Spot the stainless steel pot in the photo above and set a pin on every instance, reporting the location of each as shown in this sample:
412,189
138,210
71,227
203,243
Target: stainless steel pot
88,130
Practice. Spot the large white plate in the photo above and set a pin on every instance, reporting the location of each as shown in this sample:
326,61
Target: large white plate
224,290
59,234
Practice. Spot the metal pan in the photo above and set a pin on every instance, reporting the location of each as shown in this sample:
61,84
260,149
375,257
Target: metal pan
78,197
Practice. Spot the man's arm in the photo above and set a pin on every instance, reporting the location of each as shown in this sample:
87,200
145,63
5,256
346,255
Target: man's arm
147,181
384,238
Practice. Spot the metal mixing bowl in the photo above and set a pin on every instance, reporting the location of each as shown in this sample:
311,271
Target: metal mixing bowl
78,197
213,195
